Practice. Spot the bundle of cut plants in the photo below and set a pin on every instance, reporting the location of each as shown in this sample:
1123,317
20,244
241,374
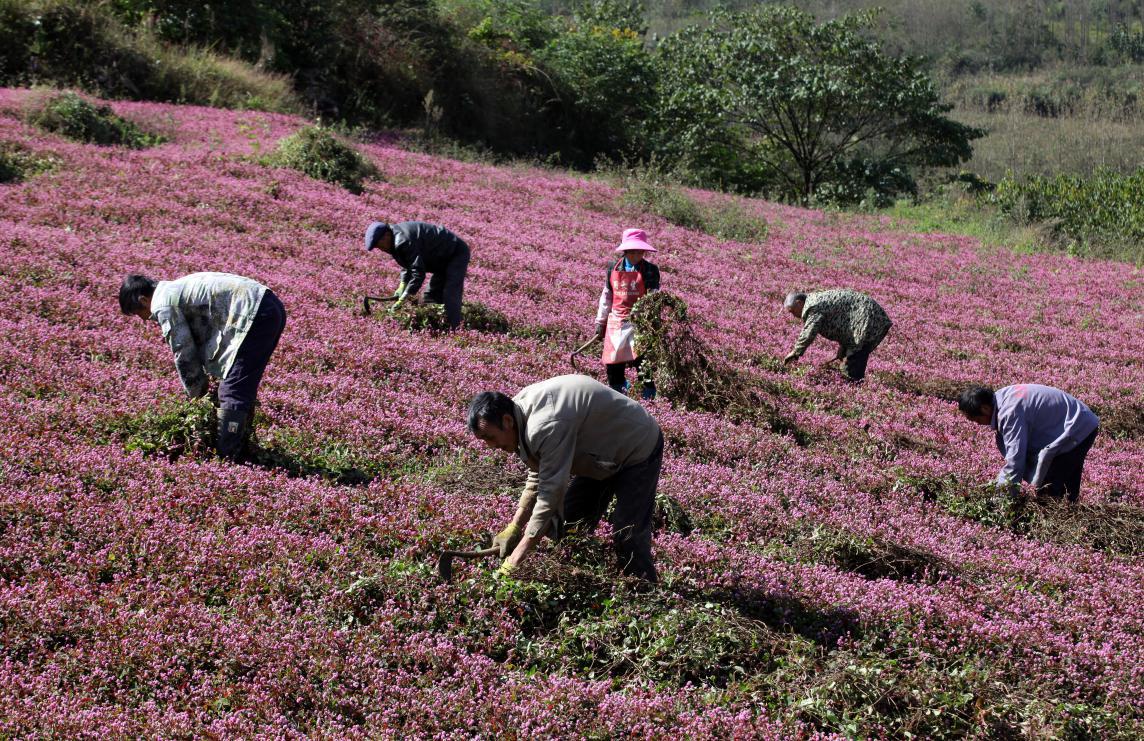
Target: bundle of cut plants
685,370
417,317
1109,527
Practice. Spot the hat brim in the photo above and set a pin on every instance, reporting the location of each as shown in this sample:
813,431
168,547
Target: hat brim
643,246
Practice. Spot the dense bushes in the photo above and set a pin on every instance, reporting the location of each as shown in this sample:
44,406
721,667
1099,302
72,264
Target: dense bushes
69,115
650,191
1101,215
1092,92
63,42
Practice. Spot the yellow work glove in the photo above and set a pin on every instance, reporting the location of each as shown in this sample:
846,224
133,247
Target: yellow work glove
396,305
506,540
400,289
505,569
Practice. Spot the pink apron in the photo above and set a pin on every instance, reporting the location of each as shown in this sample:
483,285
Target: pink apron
627,288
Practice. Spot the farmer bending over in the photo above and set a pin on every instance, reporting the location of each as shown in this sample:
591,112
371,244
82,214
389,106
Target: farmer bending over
852,319
421,248
219,324
576,427
1044,434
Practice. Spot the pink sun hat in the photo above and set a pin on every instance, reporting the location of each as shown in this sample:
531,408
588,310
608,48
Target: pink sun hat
635,239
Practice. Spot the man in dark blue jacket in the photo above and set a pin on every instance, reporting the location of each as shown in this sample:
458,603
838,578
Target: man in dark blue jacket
421,248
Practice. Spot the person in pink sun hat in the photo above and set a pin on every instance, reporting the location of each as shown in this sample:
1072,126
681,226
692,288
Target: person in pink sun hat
628,279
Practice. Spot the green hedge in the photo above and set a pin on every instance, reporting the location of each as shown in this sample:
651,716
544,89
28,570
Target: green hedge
75,44
1101,215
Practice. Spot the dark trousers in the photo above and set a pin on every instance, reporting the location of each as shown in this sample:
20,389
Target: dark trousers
617,381
448,286
856,361
634,490
1065,471
240,387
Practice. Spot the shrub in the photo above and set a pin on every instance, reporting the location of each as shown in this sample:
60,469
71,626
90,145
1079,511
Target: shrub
1101,215
417,317
649,191
70,116
315,151
18,163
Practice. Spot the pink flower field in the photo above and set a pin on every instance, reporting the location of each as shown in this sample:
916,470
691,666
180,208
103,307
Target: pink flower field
833,584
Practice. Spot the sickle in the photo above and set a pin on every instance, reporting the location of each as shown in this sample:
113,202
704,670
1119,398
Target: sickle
445,562
580,350
365,307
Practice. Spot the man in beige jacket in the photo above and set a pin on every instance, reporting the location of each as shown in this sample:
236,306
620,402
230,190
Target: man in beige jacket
583,444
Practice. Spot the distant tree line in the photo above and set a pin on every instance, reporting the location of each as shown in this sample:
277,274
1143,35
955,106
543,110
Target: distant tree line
766,100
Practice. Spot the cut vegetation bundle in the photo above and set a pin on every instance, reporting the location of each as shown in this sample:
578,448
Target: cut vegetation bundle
685,371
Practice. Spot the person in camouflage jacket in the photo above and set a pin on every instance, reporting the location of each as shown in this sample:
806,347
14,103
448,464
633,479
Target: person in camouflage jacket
852,319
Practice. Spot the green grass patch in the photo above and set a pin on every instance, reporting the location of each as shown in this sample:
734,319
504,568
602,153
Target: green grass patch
18,163
317,152
648,191
73,117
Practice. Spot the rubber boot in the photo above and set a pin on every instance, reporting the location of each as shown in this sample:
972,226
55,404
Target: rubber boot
231,433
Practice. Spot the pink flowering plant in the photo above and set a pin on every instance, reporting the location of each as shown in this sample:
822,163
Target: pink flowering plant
847,574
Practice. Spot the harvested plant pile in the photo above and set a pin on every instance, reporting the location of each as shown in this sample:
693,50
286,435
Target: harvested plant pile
1113,528
1107,526
685,370
477,316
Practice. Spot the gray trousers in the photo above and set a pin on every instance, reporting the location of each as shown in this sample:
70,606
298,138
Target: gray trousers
634,490
448,286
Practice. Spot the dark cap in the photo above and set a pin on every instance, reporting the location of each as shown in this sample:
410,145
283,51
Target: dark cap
373,234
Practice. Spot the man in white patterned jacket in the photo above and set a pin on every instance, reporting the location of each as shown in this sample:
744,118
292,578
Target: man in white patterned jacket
216,324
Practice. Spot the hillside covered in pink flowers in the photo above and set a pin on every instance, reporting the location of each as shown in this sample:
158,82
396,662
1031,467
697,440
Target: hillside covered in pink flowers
842,580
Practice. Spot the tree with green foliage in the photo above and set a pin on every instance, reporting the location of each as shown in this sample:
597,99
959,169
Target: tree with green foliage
822,107
606,81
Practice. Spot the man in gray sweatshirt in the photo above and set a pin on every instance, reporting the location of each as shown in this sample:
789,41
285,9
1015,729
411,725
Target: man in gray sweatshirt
1044,434
583,444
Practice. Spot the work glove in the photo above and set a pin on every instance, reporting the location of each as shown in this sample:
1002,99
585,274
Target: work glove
505,570
506,540
600,330
400,289
396,306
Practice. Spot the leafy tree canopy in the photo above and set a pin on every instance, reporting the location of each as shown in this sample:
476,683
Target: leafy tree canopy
816,104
